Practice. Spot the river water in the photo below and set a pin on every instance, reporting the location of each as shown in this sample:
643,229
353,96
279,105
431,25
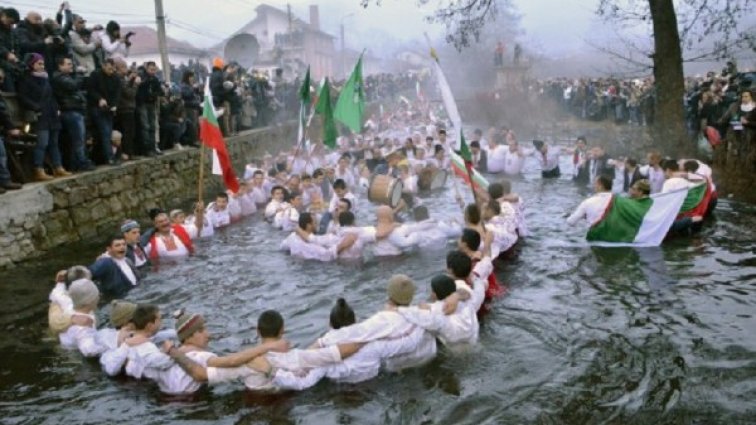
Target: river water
584,335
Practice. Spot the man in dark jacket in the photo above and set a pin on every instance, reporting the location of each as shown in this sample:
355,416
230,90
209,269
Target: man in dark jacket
146,107
8,58
103,95
600,164
68,90
115,273
125,119
6,127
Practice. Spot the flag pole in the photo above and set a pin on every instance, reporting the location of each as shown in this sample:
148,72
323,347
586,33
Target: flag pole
200,181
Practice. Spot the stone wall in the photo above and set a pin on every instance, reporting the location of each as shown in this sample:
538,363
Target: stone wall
42,216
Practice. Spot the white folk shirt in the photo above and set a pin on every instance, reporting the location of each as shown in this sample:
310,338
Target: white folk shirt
366,363
82,338
334,204
655,177
307,250
175,380
180,251
294,360
504,234
218,219
259,195
207,227
592,209
384,325
675,183
400,239
365,235
286,220
345,175
272,209
460,327
115,357
247,204
147,361
551,160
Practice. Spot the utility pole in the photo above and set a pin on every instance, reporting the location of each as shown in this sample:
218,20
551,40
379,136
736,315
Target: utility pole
162,44
343,71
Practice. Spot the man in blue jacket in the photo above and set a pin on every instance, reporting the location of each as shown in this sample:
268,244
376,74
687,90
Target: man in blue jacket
115,273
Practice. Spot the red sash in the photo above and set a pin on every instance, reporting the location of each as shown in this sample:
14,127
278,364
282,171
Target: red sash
180,233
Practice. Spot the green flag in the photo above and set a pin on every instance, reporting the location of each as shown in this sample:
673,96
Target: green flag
325,110
351,103
464,150
304,98
304,91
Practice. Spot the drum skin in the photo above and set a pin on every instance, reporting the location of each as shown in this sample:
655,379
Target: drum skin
385,190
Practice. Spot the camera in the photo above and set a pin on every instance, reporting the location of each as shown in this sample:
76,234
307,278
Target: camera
129,34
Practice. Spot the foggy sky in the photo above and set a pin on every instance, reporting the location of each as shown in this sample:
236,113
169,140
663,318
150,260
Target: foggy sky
205,23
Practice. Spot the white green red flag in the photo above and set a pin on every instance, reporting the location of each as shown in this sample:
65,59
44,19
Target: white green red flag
638,222
460,170
697,201
211,136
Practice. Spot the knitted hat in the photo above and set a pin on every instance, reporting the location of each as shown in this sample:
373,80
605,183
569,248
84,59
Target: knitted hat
129,225
33,58
187,324
401,289
83,293
443,286
121,312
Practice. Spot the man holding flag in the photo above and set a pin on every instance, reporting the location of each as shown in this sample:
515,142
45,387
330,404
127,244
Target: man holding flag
211,136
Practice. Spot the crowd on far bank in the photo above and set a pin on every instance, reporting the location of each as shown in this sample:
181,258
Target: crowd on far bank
632,101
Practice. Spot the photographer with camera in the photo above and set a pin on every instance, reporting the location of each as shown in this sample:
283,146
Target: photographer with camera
83,45
113,45
148,93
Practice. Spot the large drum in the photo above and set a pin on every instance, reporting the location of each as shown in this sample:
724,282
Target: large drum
385,190
431,178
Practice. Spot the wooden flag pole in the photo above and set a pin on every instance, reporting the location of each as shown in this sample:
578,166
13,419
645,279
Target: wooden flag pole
200,181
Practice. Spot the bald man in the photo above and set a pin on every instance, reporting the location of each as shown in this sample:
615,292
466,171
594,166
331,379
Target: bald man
392,238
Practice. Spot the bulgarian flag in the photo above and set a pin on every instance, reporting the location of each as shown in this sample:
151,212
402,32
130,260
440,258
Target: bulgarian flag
697,201
462,165
211,136
637,222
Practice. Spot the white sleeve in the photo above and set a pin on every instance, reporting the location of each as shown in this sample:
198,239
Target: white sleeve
270,210
483,268
578,214
365,331
59,295
156,359
402,238
289,380
305,359
112,361
426,319
109,46
216,375
87,342
191,229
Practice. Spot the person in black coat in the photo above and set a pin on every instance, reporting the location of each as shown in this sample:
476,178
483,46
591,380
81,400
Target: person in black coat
6,127
599,164
631,173
148,93
192,106
68,90
9,61
479,157
103,95
35,94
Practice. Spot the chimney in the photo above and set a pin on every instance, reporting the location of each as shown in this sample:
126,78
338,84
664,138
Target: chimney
314,17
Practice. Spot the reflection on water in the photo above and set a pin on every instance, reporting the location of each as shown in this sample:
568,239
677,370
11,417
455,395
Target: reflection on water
584,335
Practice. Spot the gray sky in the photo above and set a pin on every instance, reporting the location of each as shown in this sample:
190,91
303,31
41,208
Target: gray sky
204,23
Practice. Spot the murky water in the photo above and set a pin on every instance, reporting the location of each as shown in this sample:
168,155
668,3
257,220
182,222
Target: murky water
584,335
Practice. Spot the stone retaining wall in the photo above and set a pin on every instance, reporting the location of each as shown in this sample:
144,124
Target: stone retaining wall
42,216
